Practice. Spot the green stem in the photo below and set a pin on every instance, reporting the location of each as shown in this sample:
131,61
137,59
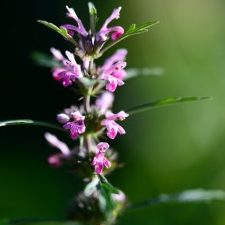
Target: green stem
87,100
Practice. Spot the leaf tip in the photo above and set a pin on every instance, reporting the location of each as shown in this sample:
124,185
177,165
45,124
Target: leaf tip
92,8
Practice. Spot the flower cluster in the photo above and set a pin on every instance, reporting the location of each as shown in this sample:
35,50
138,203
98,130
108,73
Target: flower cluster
92,121
109,76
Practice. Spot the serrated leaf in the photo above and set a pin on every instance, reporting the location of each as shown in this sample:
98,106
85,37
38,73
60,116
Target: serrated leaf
43,59
60,30
164,102
142,72
28,122
188,196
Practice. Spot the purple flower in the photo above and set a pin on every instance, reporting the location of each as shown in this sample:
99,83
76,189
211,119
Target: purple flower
104,102
112,127
55,160
74,123
79,28
113,70
115,32
69,70
100,161
119,55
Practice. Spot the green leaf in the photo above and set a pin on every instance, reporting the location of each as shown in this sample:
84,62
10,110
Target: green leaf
142,72
189,196
25,122
93,16
61,30
92,9
107,204
134,29
164,102
107,185
43,59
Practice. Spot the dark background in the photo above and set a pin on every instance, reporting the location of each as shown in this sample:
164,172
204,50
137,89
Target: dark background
165,150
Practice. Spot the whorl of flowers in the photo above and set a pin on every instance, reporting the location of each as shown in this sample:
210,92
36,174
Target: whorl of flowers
91,121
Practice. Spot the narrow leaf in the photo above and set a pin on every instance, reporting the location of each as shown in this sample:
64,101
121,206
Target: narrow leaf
189,196
106,183
43,59
106,201
141,28
134,29
93,16
164,102
61,30
30,123
142,72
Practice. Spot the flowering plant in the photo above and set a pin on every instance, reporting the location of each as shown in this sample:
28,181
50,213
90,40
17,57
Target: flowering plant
90,123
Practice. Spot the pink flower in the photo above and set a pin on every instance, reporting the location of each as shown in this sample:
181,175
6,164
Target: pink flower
71,29
104,102
74,123
100,161
105,31
113,70
119,55
112,127
55,160
69,70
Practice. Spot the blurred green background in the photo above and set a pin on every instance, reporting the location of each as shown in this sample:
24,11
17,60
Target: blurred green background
165,150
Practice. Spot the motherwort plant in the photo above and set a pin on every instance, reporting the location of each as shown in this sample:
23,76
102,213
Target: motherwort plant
91,122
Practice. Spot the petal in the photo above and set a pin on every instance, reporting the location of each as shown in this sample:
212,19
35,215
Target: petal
71,57
63,118
77,116
116,32
70,29
115,15
112,133
121,130
57,54
54,161
80,29
105,101
99,168
56,73
119,55
102,146
111,85
55,142
107,163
